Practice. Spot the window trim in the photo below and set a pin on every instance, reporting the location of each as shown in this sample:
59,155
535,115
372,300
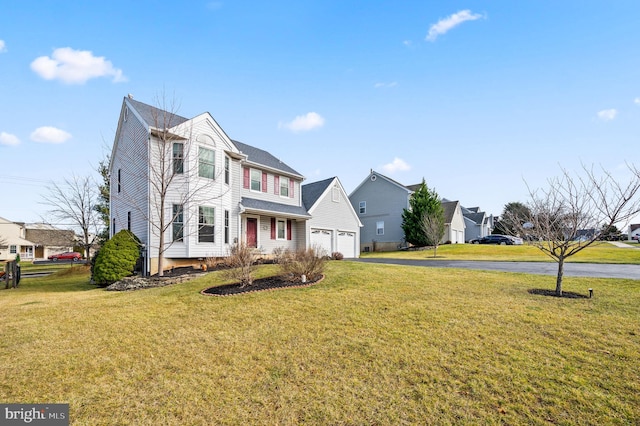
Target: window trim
362,207
251,180
282,221
282,185
226,227
177,234
177,158
202,225
202,163
380,228
227,170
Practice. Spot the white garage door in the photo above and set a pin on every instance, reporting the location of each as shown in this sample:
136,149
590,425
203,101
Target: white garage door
322,239
347,243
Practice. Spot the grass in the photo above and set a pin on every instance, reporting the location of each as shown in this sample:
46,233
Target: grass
371,344
598,253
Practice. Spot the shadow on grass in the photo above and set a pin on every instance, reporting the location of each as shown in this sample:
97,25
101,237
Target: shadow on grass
552,293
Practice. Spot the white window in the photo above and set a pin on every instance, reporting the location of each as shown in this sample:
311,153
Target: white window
284,186
13,249
206,163
178,223
256,180
227,173
206,224
363,207
281,232
178,158
380,227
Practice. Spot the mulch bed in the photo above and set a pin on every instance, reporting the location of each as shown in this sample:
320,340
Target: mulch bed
552,293
261,284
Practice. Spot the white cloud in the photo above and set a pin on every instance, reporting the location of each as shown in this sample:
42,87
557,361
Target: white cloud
381,85
75,66
214,5
450,22
48,134
8,139
3,46
407,43
397,165
303,123
607,114
636,101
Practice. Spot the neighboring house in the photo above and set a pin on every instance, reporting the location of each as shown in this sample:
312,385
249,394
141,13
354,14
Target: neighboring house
49,240
13,241
634,231
223,191
334,225
477,223
453,223
379,202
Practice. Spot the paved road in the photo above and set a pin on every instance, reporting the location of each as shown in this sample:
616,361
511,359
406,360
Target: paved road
542,268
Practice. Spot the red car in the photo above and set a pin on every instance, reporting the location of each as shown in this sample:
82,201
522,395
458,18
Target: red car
71,255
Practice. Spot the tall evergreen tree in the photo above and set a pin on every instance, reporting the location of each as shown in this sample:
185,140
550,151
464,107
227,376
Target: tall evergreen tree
102,205
424,202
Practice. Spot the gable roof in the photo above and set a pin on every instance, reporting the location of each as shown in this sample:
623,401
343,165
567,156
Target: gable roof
449,210
478,218
311,192
379,175
263,158
153,116
49,236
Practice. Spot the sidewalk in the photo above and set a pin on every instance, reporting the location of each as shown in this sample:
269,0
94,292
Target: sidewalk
624,245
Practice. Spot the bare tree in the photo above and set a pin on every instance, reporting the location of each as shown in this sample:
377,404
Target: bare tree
75,201
167,171
572,212
433,227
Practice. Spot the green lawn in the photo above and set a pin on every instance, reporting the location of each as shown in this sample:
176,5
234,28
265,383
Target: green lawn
370,344
598,253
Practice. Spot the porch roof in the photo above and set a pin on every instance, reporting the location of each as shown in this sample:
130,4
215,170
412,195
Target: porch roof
251,205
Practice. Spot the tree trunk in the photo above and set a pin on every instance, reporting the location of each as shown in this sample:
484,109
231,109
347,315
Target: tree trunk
559,277
435,250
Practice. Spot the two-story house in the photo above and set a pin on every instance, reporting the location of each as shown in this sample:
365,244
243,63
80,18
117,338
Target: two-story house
188,191
13,241
379,202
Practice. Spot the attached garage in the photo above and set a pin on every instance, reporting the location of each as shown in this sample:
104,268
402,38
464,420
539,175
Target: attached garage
347,243
323,239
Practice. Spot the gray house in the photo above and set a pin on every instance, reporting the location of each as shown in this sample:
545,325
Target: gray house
379,202
478,224
334,225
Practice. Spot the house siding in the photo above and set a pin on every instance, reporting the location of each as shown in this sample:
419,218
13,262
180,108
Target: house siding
334,216
129,164
385,202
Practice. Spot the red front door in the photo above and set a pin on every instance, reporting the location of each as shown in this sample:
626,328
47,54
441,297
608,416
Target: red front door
252,232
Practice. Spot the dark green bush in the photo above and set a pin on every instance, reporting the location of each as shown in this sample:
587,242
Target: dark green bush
116,259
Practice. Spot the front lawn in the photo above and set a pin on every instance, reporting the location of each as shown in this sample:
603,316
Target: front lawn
370,344
600,252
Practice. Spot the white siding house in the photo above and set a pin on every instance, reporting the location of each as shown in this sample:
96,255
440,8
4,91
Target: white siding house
217,191
334,225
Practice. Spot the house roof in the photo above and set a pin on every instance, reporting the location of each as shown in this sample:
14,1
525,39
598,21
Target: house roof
263,158
449,210
269,207
476,217
154,117
49,236
388,179
311,192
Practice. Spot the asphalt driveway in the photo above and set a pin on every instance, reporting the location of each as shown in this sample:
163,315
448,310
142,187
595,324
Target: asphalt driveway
542,268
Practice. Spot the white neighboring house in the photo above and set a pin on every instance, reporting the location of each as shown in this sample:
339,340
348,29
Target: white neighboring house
223,191
13,241
334,225
453,223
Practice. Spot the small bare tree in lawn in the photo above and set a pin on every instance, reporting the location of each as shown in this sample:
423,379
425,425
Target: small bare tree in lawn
433,227
571,213
241,264
75,201
169,170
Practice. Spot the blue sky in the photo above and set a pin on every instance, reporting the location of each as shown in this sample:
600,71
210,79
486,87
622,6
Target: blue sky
477,97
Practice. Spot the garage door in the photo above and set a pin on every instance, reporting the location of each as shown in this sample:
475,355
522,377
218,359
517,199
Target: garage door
347,243
322,239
